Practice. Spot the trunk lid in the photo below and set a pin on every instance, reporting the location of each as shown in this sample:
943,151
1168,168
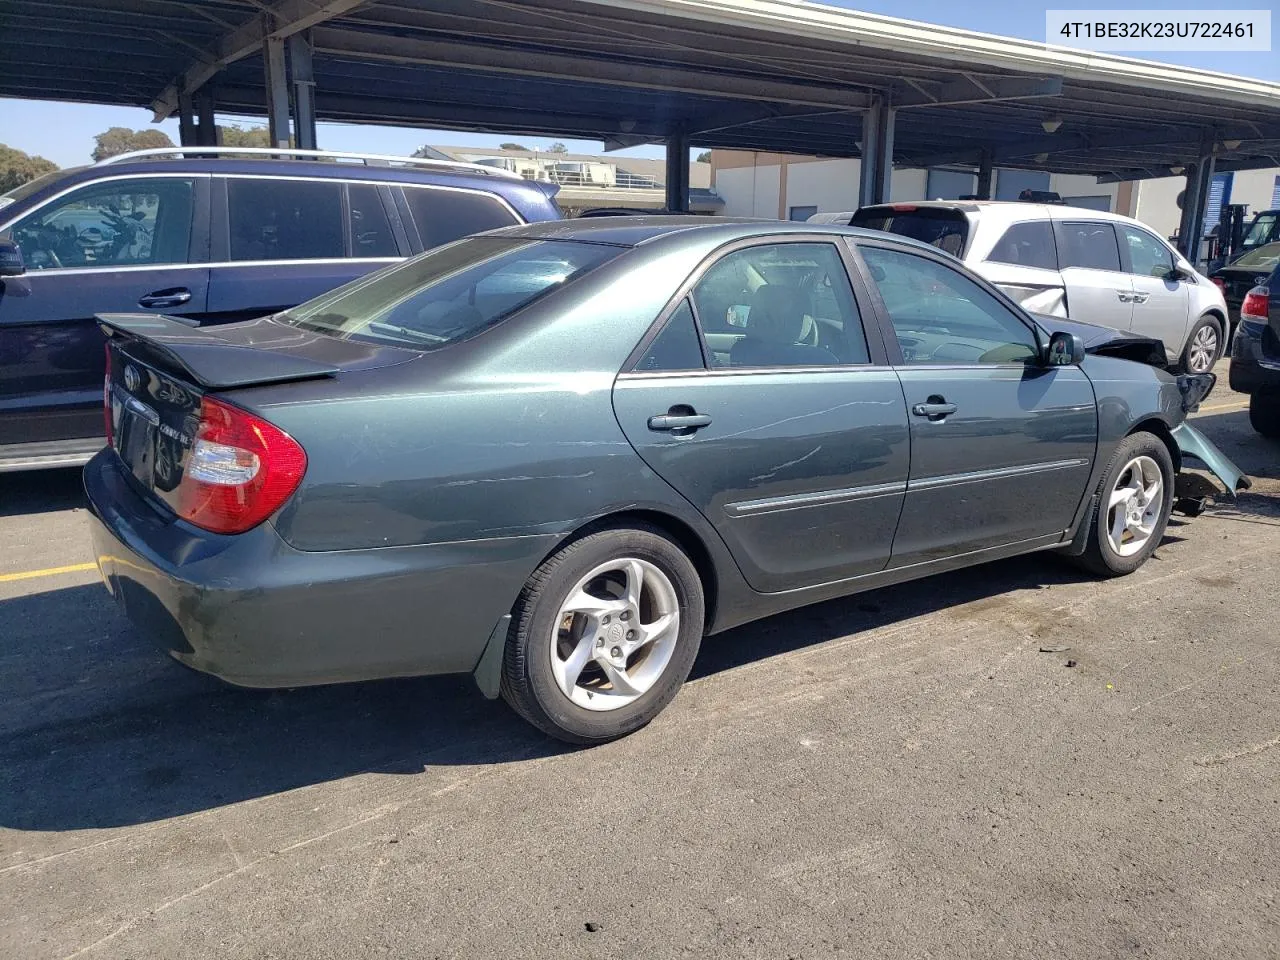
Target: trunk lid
160,368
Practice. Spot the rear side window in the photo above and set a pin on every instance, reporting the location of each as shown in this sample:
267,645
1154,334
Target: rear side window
943,228
677,347
1027,245
443,216
1091,245
371,234
448,295
285,219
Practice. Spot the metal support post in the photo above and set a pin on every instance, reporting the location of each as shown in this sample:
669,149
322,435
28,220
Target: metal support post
304,90
875,178
277,85
678,171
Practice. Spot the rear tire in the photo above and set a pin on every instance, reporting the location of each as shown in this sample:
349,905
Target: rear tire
1135,498
1204,347
1264,414
603,635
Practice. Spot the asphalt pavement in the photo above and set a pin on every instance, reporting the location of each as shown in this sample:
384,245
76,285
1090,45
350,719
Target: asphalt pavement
1011,761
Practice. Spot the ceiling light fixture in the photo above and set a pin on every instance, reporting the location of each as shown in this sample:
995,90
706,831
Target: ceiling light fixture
1231,144
1177,171
1041,157
1051,124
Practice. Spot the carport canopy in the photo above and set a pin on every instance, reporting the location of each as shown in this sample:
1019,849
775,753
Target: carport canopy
773,75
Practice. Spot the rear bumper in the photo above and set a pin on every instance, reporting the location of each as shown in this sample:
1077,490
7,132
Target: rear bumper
1253,368
255,612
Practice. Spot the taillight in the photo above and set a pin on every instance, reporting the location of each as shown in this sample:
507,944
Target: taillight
106,399
241,470
1220,284
1257,304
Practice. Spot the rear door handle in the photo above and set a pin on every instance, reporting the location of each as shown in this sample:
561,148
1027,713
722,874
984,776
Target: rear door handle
679,422
166,298
936,409
1124,297
1140,297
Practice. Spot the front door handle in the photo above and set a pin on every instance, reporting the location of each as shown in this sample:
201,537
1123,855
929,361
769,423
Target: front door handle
935,409
166,298
679,423
1140,297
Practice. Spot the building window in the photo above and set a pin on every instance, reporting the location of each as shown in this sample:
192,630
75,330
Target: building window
802,213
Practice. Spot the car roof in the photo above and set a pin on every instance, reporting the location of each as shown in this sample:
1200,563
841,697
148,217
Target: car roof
460,176
637,231
1011,211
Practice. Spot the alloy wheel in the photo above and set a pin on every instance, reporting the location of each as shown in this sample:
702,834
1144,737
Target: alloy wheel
1133,511
615,634
1204,348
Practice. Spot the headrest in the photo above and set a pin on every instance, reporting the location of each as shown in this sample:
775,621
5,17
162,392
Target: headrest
777,313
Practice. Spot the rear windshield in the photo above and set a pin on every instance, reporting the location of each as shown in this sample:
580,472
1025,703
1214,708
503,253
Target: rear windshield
450,293
1267,256
945,229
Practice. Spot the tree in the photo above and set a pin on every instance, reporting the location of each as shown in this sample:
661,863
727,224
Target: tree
16,168
119,140
557,147
234,135
704,157
512,146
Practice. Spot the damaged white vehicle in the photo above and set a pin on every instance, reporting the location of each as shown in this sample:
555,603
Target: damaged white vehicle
1075,263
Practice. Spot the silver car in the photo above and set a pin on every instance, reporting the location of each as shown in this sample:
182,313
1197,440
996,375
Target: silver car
1076,263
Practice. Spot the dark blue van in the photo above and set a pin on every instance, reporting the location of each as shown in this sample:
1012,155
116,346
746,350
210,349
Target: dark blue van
191,233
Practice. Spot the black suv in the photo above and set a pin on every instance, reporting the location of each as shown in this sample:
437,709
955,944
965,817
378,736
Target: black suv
211,234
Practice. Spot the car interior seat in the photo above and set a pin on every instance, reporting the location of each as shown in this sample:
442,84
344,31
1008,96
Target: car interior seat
774,328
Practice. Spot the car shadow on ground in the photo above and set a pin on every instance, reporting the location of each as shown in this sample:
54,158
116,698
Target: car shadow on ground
40,491
99,729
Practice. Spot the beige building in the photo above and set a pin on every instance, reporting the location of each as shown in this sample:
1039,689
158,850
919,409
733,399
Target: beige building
790,187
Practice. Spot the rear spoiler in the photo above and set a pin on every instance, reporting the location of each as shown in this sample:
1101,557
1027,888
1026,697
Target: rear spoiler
205,358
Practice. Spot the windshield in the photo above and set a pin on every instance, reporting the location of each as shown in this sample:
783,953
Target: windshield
1267,256
22,191
451,293
1262,230
945,229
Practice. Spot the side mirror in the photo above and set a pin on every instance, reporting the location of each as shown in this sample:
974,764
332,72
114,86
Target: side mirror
1065,350
1176,275
11,264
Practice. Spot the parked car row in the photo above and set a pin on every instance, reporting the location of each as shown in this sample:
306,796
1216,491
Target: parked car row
1252,288
208,238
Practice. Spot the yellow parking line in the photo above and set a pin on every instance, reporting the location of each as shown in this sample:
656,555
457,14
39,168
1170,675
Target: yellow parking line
1234,405
50,572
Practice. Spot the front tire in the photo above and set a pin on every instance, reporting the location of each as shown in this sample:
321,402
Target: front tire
1264,414
603,635
1135,498
1204,346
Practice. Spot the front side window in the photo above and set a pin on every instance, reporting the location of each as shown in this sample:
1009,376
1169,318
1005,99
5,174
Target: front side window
450,294
1027,245
284,219
112,224
1148,257
443,216
941,316
780,305
1088,244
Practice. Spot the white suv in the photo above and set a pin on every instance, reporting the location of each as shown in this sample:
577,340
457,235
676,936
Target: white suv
1077,263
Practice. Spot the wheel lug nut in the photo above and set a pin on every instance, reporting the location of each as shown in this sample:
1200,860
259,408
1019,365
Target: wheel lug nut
625,615
600,642
615,652
631,634
605,618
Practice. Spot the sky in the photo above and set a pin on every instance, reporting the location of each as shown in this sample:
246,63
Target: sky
63,132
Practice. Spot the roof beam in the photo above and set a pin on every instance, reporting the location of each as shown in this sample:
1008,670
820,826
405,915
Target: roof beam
1170,138
526,62
974,89
284,19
